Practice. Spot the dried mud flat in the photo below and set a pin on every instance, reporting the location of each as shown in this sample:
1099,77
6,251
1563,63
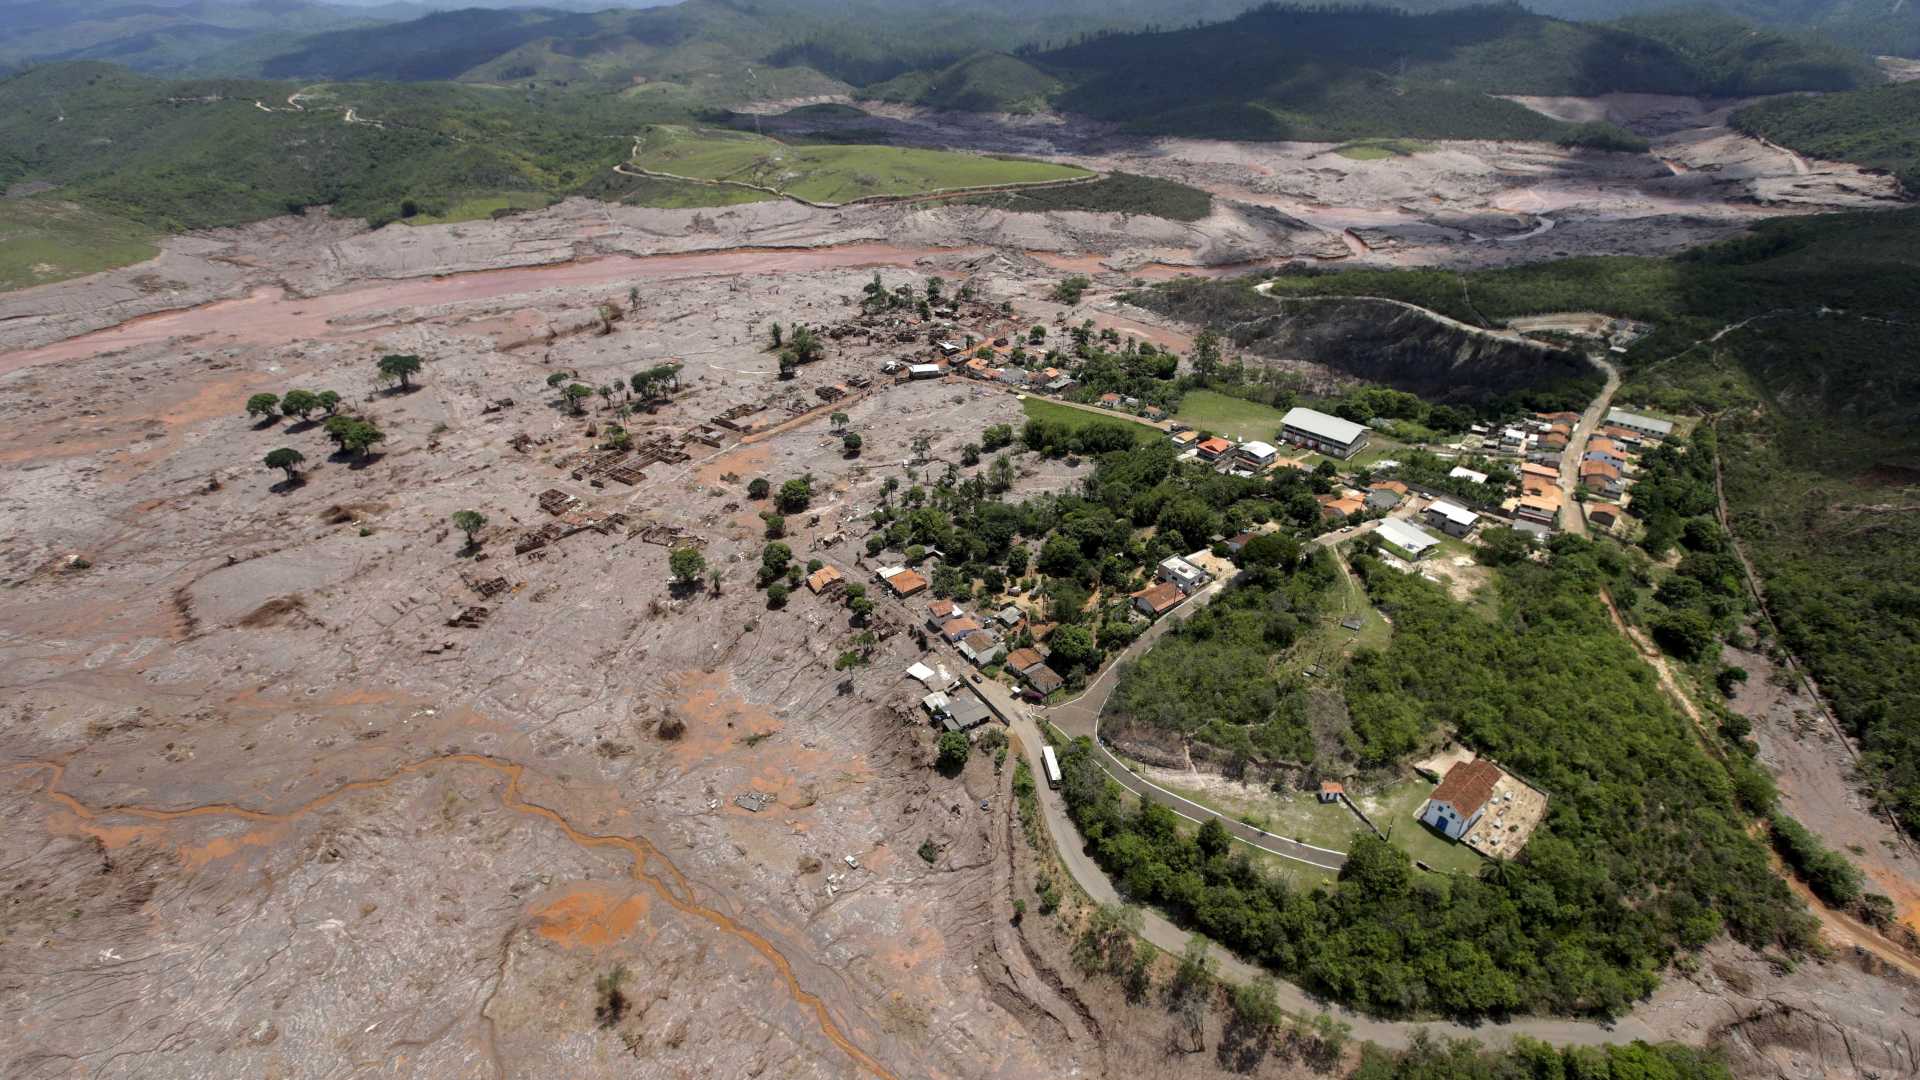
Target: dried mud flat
273,815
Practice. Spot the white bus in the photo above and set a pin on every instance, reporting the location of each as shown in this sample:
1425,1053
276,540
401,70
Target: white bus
1052,766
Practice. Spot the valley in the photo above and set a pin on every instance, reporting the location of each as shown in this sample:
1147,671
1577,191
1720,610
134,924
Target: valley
567,571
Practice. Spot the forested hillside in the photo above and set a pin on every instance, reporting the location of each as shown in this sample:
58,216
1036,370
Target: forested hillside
1875,127
1644,852
191,154
1355,73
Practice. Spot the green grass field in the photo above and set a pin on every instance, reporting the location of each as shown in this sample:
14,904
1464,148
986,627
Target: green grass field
1380,149
45,240
828,173
1042,409
1236,418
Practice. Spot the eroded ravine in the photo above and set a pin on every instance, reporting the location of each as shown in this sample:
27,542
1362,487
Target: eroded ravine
668,882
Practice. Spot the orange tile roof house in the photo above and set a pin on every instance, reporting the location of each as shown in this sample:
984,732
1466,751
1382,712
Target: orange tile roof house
1158,600
906,583
1459,800
825,578
943,609
955,629
1598,474
1534,468
1020,660
1345,506
1214,447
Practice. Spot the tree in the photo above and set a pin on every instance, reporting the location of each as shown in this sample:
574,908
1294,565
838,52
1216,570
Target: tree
922,447
954,749
777,594
757,488
776,335
1687,633
1000,474
795,495
576,395
1073,648
776,524
299,403
803,347
337,427
687,565
360,437
774,559
714,577
398,367
788,365
970,455
286,458
469,522
838,420
263,406
616,437
328,401
852,442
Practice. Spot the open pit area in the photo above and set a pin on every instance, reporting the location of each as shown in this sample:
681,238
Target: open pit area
299,783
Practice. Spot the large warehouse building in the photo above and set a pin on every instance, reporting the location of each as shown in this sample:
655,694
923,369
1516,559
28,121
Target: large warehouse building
1328,435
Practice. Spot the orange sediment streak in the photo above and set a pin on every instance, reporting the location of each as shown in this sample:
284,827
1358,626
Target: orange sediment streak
641,851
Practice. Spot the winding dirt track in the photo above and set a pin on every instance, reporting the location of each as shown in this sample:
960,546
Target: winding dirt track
669,883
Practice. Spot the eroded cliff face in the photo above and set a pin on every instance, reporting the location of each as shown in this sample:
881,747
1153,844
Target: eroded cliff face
1407,348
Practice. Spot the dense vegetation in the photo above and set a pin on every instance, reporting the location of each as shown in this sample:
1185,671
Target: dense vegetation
1528,1059
1873,127
984,82
1116,193
1644,851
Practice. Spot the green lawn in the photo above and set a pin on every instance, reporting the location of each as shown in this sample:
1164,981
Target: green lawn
44,240
1393,810
1380,149
826,173
1038,408
1236,418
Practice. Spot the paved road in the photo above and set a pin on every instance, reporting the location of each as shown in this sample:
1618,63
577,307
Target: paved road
1575,519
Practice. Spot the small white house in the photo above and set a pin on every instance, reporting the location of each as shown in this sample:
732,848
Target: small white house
1461,797
1181,573
1408,537
1461,472
1259,453
924,371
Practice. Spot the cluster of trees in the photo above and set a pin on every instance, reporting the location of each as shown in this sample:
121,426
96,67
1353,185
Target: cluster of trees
299,404
1529,1059
1706,595
1644,851
648,385
1118,192
1212,678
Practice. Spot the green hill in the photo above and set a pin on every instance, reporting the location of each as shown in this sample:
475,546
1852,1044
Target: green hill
179,154
1342,74
983,82
1876,127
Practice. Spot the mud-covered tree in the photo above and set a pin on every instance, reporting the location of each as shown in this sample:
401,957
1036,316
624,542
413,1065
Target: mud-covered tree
287,459
398,367
922,447
329,402
776,524
299,403
804,345
838,420
758,488
788,365
557,379
714,577
470,522
615,437
777,594
775,335
263,406
577,395
852,442
687,565
774,559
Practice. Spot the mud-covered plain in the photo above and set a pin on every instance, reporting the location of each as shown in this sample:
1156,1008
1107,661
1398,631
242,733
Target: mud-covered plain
271,814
